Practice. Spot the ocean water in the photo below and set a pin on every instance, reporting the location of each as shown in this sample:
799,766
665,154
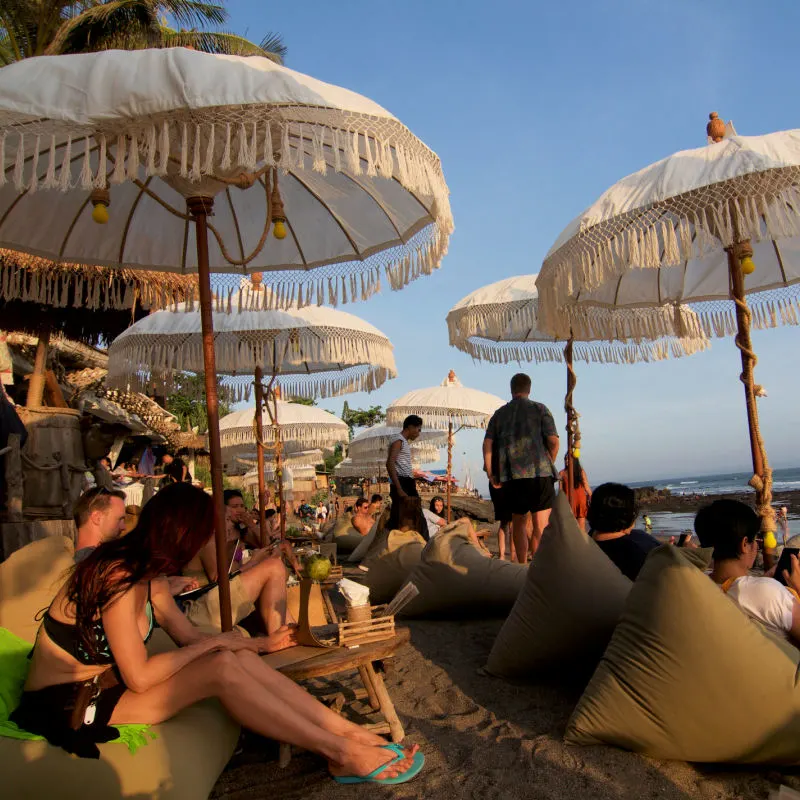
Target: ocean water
782,480
666,523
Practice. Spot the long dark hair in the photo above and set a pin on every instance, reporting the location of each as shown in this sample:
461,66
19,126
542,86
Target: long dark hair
171,529
577,473
432,506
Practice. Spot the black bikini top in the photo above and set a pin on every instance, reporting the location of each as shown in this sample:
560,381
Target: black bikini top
65,635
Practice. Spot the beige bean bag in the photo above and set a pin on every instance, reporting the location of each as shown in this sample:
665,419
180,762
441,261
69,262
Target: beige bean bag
363,546
391,565
566,612
455,579
183,763
688,676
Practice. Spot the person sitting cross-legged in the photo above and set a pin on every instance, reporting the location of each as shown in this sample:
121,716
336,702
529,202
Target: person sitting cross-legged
94,633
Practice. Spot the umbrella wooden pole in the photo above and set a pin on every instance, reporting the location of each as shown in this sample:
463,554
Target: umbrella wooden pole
199,208
449,465
36,384
762,473
572,419
262,484
279,468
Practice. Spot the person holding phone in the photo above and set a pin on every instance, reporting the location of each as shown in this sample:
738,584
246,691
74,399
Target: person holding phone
732,528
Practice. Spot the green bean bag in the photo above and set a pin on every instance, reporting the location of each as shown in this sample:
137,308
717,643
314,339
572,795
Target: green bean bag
389,567
183,762
565,614
454,578
688,676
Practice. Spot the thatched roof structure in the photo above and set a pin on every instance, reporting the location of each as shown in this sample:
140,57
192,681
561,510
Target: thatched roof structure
81,372
35,291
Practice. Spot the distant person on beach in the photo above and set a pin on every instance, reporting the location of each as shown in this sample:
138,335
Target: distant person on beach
612,515
519,451
99,517
376,505
398,465
90,670
434,516
732,529
648,523
362,520
175,469
322,512
581,491
783,521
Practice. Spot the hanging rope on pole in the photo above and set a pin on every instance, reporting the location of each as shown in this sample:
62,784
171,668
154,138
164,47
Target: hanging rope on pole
573,425
761,480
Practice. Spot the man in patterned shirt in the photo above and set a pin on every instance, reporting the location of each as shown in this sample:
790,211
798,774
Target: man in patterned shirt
519,453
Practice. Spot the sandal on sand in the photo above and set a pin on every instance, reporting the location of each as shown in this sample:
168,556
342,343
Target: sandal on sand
400,754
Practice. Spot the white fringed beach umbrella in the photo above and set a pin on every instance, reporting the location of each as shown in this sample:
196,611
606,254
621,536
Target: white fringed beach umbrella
301,458
375,441
166,138
449,406
691,229
300,427
499,323
312,351
360,194
376,466
288,475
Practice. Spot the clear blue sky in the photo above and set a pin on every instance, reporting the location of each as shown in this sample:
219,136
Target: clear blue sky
535,109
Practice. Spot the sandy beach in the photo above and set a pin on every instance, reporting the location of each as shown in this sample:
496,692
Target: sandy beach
486,738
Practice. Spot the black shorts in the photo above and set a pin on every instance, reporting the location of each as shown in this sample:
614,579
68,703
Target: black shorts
502,511
529,494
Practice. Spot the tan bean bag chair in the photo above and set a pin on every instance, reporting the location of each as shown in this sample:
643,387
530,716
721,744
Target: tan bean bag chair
363,546
372,541
455,579
566,612
390,566
688,676
183,763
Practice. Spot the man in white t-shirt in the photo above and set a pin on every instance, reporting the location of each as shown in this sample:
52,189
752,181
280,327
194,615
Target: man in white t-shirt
731,528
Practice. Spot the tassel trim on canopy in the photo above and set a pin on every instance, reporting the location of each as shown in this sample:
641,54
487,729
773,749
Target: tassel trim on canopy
757,206
33,280
305,435
439,418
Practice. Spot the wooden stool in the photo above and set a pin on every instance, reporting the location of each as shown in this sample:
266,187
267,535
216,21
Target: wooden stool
305,663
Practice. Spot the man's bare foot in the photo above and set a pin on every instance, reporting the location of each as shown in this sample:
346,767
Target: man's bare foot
364,760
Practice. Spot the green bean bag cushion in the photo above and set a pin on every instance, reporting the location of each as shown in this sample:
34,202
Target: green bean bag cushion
454,578
688,676
183,762
565,614
390,566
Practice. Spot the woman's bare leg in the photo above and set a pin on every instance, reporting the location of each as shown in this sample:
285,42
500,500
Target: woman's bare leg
303,703
501,542
253,706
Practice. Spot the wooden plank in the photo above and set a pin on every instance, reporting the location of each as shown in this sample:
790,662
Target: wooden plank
332,660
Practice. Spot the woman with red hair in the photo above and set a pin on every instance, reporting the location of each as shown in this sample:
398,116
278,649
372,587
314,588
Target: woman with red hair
90,668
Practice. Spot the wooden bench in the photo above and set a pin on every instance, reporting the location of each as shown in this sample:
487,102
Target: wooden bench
306,663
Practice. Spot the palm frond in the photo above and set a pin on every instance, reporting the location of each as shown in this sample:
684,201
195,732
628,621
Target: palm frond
273,43
126,24
219,42
8,54
192,13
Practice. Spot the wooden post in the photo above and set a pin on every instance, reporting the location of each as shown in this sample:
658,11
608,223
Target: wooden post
449,464
745,345
262,485
14,481
571,419
36,385
199,208
279,468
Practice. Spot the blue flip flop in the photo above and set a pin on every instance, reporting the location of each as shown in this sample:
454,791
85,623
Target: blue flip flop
400,754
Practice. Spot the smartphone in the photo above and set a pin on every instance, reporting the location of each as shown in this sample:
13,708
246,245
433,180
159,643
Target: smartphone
784,563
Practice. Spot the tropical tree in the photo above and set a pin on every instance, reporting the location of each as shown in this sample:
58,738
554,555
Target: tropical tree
187,402
56,27
362,417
